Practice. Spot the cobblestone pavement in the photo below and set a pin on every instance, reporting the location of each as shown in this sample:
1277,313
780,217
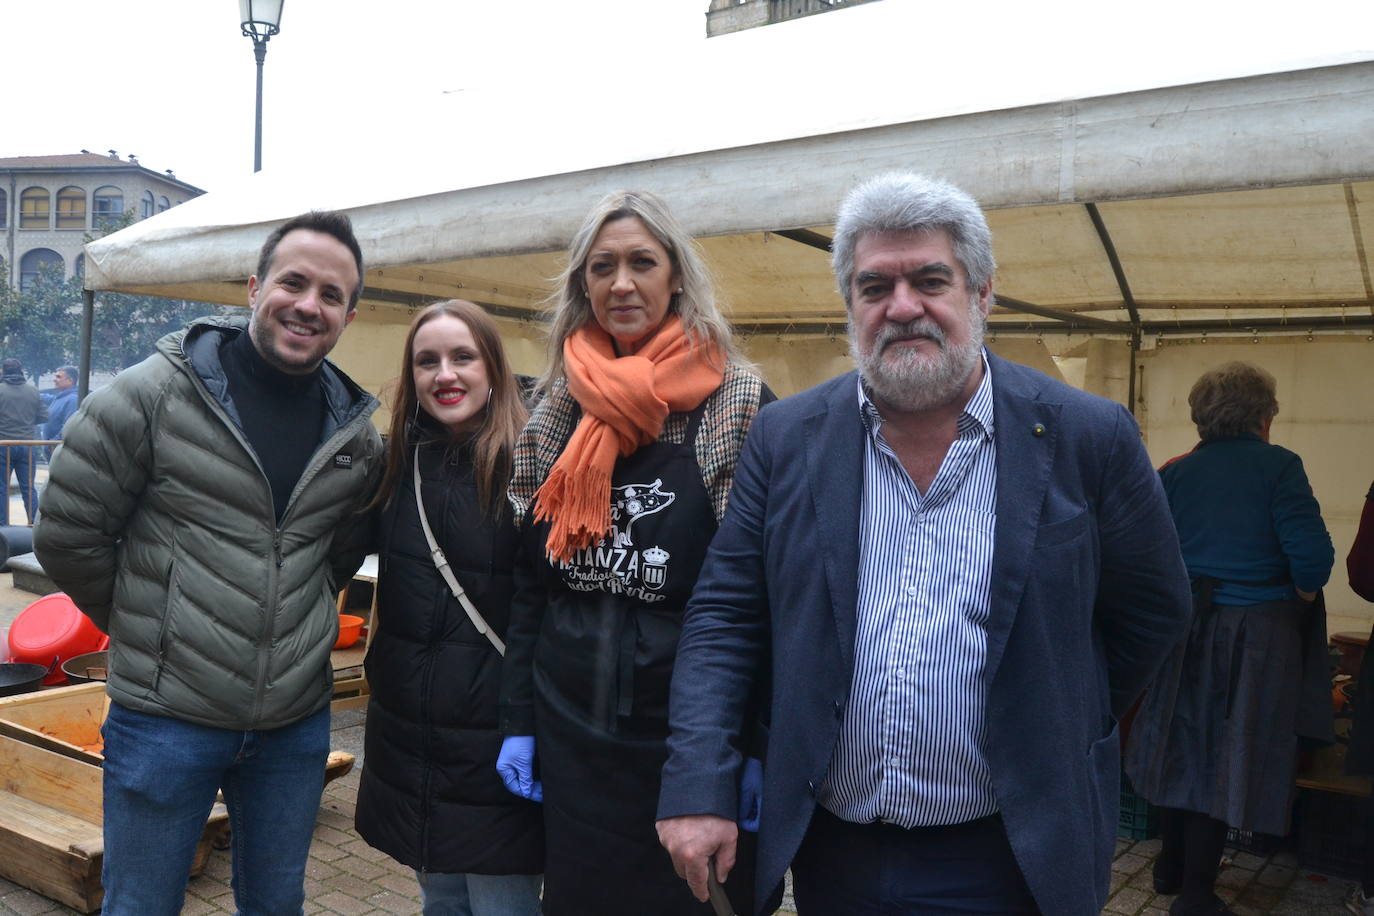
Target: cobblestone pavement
1249,883
347,877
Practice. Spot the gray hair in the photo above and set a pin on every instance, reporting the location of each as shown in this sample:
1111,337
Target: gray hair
907,202
1233,399
695,305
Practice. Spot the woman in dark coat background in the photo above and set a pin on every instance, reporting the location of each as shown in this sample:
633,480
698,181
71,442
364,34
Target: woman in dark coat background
1215,742
429,795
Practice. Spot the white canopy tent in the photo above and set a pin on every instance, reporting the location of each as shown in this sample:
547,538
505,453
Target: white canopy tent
1242,202
1130,229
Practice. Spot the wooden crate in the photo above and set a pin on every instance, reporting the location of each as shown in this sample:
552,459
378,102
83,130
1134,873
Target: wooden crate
65,720
50,825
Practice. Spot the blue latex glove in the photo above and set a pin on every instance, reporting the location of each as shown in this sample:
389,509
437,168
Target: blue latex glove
750,794
515,765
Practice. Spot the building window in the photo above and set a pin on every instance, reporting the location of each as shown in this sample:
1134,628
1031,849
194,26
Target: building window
147,204
71,208
163,204
109,206
4,209
34,263
34,210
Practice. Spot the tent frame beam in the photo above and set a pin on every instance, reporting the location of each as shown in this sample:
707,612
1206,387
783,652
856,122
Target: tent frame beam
1254,326
1361,254
805,237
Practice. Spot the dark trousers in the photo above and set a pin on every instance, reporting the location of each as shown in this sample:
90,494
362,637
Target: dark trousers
885,870
1191,844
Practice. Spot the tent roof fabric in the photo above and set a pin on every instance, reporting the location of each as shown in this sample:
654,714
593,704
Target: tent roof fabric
1235,202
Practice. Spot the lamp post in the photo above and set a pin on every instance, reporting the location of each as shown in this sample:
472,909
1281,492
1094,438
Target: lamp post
261,19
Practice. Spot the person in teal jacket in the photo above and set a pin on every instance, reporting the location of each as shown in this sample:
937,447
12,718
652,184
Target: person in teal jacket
1215,742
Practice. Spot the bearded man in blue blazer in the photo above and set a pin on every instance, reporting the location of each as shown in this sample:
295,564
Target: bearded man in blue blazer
959,573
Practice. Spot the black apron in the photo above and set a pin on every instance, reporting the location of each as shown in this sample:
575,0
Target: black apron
601,677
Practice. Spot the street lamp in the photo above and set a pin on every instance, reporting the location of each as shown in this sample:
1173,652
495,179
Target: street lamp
261,19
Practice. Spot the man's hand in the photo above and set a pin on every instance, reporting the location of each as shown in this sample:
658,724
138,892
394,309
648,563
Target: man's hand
692,841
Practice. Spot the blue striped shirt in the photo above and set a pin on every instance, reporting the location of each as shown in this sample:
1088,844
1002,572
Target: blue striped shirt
911,747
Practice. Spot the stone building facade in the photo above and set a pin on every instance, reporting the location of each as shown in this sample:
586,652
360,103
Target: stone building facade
50,205
735,15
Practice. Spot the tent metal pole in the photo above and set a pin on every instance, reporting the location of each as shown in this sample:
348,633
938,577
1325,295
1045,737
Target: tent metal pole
1130,382
83,387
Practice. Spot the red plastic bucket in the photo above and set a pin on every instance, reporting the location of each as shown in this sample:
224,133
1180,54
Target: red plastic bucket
53,628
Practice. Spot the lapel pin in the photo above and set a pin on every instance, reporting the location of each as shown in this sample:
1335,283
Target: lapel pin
1038,430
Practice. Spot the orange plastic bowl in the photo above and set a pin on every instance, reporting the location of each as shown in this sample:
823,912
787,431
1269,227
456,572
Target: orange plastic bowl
350,631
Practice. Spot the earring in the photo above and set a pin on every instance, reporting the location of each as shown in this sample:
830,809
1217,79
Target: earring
489,391
679,291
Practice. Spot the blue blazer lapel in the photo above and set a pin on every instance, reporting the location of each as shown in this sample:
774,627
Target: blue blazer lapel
1026,431
834,471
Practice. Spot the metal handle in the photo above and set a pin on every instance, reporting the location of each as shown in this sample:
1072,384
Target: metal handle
719,902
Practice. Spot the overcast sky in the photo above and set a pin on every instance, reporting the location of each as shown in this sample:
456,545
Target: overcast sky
601,80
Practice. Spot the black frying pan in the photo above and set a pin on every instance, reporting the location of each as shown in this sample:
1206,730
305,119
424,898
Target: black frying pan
21,677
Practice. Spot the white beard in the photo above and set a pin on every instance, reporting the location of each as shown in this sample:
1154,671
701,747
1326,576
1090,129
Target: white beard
910,380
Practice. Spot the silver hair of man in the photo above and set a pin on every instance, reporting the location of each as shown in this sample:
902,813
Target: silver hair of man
907,202
695,305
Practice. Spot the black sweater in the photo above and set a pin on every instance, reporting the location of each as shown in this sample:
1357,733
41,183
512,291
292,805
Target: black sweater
280,414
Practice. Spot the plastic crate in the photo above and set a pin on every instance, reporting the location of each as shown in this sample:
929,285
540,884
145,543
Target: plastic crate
1138,819
1331,833
1260,844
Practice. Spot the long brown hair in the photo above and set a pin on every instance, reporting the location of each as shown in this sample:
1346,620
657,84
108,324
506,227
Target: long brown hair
504,414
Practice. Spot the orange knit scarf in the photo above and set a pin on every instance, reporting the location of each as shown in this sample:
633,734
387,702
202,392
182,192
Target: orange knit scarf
624,403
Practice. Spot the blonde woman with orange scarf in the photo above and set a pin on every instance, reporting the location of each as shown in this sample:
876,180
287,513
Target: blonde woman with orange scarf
621,477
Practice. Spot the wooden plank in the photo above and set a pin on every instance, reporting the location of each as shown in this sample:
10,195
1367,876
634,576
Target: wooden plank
50,779
49,823
74,697
65,720
57,873
345,703
37,824
1325,772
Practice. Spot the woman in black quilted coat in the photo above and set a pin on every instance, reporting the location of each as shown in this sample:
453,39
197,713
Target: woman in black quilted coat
429,795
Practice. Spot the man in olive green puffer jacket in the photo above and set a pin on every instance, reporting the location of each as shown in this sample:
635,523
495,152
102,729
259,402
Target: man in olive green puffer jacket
203,510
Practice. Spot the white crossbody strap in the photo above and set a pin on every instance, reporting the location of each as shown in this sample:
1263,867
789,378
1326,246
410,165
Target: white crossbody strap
441,564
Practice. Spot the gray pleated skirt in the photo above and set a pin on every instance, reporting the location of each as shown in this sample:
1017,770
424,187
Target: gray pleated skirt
1217,732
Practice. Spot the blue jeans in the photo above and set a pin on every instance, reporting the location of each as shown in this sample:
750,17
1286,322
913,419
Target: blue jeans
18,460
160,780
479,895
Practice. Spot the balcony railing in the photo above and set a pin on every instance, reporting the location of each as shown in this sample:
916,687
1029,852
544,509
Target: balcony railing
779,10
20,459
